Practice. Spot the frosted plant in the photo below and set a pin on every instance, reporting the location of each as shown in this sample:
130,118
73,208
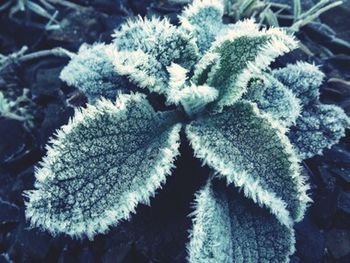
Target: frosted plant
240,117
319,126
93,72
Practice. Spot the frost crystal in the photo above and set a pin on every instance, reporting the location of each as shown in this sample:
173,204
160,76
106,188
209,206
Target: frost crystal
251,125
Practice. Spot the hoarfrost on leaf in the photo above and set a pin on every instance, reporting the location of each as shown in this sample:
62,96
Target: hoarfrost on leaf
243,53
162,42
229,228
203,19
272,97
303,79
92,71
251,151
319,127
251,125
109,158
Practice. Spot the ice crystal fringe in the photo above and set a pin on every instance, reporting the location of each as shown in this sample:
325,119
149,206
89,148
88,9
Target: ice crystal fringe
42,214
115,154
278,44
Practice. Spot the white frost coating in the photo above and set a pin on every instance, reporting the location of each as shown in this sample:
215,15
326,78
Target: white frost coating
204,64
193,98
251,187
41,212
131,64
304,79
92,71
274,98
229,228
177,77
278,44
203,20
162,43
197,5
206,213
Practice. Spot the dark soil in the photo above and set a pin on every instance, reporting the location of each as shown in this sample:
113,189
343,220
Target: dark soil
156,233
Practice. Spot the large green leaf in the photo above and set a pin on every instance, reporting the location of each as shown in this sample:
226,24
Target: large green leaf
250,150
203,19
274,98
161,43
229,228
303,79
319,126
243,52
109,158
93,72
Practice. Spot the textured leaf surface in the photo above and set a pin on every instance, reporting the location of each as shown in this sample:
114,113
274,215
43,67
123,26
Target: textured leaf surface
203,19
193,98
135,65
244,52
93,72
229,228
274,98
163,44
109,158
318,127
251,150
303,79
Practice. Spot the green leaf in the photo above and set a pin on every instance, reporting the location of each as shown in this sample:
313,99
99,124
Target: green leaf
318,127
250,150
303,79
93,72
136,67
193,98
203,19
228,228
274,98
162,43
109,158
244,52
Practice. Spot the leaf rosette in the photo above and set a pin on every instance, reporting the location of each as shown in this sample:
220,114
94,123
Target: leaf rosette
250,124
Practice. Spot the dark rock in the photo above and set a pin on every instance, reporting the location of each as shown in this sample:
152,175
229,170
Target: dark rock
9,212
327,178
47,83
324,208
338,242
86,256
342,172
344,202
116,254
341,62
170,9
325,36
56,115
289,58
338,18
337,155
140,7
12,139
135,256
35,244
310,243
85,25
69,255
118,7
